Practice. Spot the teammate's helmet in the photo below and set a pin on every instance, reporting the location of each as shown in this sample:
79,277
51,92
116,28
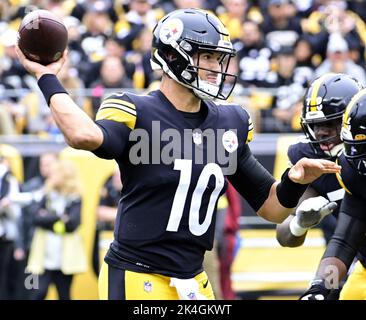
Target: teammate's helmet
326,100
353,132
183,33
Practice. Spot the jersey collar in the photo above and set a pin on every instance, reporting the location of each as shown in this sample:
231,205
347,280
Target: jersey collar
211,117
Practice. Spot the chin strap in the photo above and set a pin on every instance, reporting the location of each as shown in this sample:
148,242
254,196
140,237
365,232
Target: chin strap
335,151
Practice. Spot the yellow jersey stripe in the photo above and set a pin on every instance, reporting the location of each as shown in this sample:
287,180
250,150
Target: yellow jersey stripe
117,115
117,106
340,181
119,101
250,136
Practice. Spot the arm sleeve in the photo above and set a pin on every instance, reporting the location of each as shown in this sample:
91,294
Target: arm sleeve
350,231
251,179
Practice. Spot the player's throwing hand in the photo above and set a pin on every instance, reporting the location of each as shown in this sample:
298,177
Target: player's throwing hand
38,69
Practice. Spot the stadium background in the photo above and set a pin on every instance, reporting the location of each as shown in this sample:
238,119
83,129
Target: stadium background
282,45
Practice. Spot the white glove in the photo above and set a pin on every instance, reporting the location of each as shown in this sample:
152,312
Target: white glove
310,213
187,289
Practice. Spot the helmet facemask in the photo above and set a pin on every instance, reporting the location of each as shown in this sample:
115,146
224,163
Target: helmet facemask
180,65
324,104
354,151
330,145
180,39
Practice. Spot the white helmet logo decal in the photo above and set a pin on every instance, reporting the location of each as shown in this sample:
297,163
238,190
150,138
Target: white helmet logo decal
171,30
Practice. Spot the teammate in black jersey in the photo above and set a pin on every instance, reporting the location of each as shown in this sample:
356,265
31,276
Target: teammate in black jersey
350,233
322,128
324,104
174,147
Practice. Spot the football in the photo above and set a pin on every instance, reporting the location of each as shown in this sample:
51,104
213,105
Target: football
42,37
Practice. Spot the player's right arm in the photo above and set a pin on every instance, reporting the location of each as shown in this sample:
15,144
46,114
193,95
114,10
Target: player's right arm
79,130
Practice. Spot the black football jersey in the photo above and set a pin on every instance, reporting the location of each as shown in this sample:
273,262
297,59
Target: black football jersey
326,185
355,185
172,178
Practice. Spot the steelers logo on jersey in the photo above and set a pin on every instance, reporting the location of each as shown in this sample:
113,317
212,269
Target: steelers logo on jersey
230,141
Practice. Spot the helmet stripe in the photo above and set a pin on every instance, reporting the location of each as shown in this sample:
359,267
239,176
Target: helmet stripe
314,93
223,32
351,105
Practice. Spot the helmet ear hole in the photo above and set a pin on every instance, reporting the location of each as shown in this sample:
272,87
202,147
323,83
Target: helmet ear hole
169,55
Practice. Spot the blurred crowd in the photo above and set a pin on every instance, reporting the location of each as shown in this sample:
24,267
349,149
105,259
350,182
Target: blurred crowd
281,46
39,221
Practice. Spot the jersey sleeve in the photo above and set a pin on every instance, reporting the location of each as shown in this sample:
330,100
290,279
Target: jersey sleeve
250,133
246,123
116,117
293,153
300,150
349,179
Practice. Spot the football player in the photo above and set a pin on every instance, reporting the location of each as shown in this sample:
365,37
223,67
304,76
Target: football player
324,104
351,227
166,215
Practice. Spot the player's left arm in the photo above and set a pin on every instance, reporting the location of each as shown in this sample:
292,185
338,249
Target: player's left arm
341,249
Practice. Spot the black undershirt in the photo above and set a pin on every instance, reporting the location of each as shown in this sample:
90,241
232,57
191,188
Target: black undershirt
196,118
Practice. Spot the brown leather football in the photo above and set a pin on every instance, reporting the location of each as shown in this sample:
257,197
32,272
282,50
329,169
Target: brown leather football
42,37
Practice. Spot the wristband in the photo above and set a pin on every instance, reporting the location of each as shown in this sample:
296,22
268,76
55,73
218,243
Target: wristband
295,229
50,85
289,192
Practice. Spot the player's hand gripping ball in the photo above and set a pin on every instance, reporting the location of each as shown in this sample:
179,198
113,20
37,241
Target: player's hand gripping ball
42,37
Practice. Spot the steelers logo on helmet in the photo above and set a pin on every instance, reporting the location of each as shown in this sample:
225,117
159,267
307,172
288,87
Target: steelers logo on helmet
171,30
354,132
180,41
324,104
